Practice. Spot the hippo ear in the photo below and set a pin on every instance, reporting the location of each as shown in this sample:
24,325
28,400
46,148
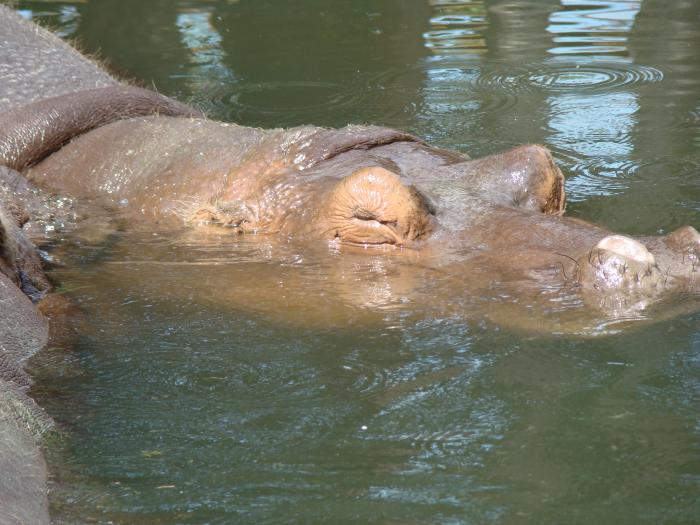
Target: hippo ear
373,206
524,177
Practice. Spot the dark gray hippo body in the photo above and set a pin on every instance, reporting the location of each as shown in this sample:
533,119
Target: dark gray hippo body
50,93
23,332
40,76
35,64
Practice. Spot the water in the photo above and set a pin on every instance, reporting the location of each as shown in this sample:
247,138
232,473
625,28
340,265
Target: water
327,392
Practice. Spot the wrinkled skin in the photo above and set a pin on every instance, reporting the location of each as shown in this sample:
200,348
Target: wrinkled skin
302,181
34,130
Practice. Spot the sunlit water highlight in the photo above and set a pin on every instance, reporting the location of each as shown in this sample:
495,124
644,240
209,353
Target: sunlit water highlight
358,406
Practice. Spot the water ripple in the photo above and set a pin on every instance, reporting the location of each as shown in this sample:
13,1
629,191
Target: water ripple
453,87
600,76
283,100
368,377
598,176
568,76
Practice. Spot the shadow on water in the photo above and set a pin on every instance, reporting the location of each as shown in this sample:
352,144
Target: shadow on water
303,386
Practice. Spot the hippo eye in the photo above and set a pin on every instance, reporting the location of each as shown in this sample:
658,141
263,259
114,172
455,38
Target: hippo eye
363,214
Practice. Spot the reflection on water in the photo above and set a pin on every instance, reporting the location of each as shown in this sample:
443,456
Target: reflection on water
204,45
595,128
302,387
592,27
457,27
606,121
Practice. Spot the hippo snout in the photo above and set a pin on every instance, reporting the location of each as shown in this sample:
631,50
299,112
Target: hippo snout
622,273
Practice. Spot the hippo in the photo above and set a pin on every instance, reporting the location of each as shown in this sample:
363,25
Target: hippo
371,187
157,163
70,130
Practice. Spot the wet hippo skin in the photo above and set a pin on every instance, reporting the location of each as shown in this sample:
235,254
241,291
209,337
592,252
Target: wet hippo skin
359,185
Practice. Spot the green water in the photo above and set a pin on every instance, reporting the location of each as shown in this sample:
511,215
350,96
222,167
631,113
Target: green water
181,408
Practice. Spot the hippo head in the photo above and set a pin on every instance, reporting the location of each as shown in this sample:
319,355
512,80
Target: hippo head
372,206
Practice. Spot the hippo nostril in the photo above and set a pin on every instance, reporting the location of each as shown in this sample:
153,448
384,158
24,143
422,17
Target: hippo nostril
685,241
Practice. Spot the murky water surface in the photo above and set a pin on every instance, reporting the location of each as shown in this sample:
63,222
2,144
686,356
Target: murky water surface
305,386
